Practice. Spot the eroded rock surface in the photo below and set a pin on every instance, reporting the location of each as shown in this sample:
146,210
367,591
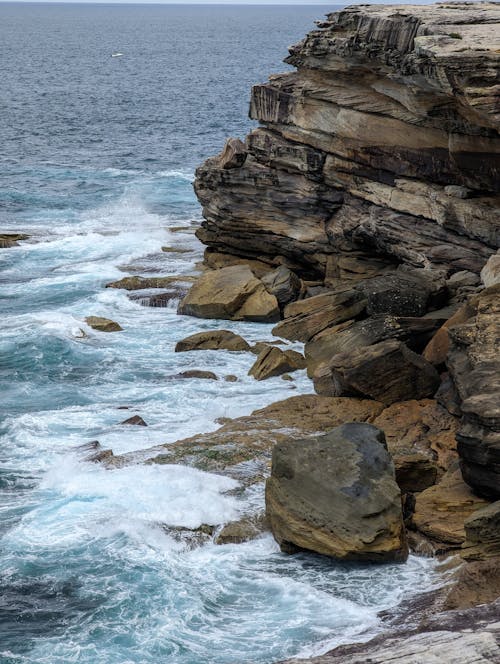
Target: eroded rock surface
336,494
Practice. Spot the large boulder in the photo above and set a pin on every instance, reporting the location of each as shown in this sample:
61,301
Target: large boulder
482,533
273,361
336,495
388,372
232,293
349,336
212,340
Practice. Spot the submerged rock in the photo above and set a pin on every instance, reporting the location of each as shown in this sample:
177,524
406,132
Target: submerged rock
8,240
141,283
232,293
103,324
336,494
212,340
197,373
135,420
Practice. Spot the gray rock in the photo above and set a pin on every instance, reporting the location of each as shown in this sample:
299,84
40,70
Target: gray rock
336,495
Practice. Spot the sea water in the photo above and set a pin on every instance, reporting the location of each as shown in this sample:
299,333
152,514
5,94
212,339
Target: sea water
97,162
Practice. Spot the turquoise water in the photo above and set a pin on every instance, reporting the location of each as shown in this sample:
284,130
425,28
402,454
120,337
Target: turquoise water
97,166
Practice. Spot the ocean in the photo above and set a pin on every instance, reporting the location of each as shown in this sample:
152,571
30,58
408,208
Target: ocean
97,160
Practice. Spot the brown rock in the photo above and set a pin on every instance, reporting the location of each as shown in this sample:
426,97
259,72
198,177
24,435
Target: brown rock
141,283
245,529
473,584
482,532
103,324
441,510
273,362
212,340
336,494
232,293
306,318
387,371
233,155
421,430
284,284
197,373
216,260
8,240
436,350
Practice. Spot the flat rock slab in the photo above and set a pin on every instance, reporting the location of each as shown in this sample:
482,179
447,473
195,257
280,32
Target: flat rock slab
231,293
213,340
142,283
336,495
388,371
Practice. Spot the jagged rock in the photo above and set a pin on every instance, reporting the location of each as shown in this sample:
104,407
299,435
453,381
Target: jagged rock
141,283
387,371
351,335
103,324
474,364
436,350
482,533
212,340
336,495
441,510
136,420
306,318
259,346
247,528
233,155
284,284
273,361
232,293
160,299
197,373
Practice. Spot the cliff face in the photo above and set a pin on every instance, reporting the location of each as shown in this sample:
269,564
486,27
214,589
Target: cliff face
384,140
376,170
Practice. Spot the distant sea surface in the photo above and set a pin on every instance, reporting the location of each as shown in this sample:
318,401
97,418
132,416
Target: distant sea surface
97,155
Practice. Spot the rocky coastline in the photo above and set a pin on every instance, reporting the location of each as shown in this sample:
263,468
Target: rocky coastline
361,218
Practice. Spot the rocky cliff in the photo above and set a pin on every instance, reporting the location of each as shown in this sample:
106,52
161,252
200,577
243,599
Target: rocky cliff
375,178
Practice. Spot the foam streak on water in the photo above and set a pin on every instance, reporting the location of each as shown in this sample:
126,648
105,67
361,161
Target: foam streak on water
98,164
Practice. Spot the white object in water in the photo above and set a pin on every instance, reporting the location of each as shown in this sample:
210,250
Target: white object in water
116,55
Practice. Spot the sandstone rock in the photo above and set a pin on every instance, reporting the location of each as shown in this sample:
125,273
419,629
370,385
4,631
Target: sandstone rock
212,340
141,283
197,373
351,335
336,495
482,533
474,364
231,378
259,346
232,293
490,274
8,240
387,371
395,294
216,260
273,362
233,155
243,530
103,324
306,318
420,436
136,420
284,284
436,350
441,510
473,584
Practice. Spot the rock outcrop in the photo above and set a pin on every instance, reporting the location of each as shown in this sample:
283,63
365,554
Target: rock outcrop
103,324
212,340
384,139
336,495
